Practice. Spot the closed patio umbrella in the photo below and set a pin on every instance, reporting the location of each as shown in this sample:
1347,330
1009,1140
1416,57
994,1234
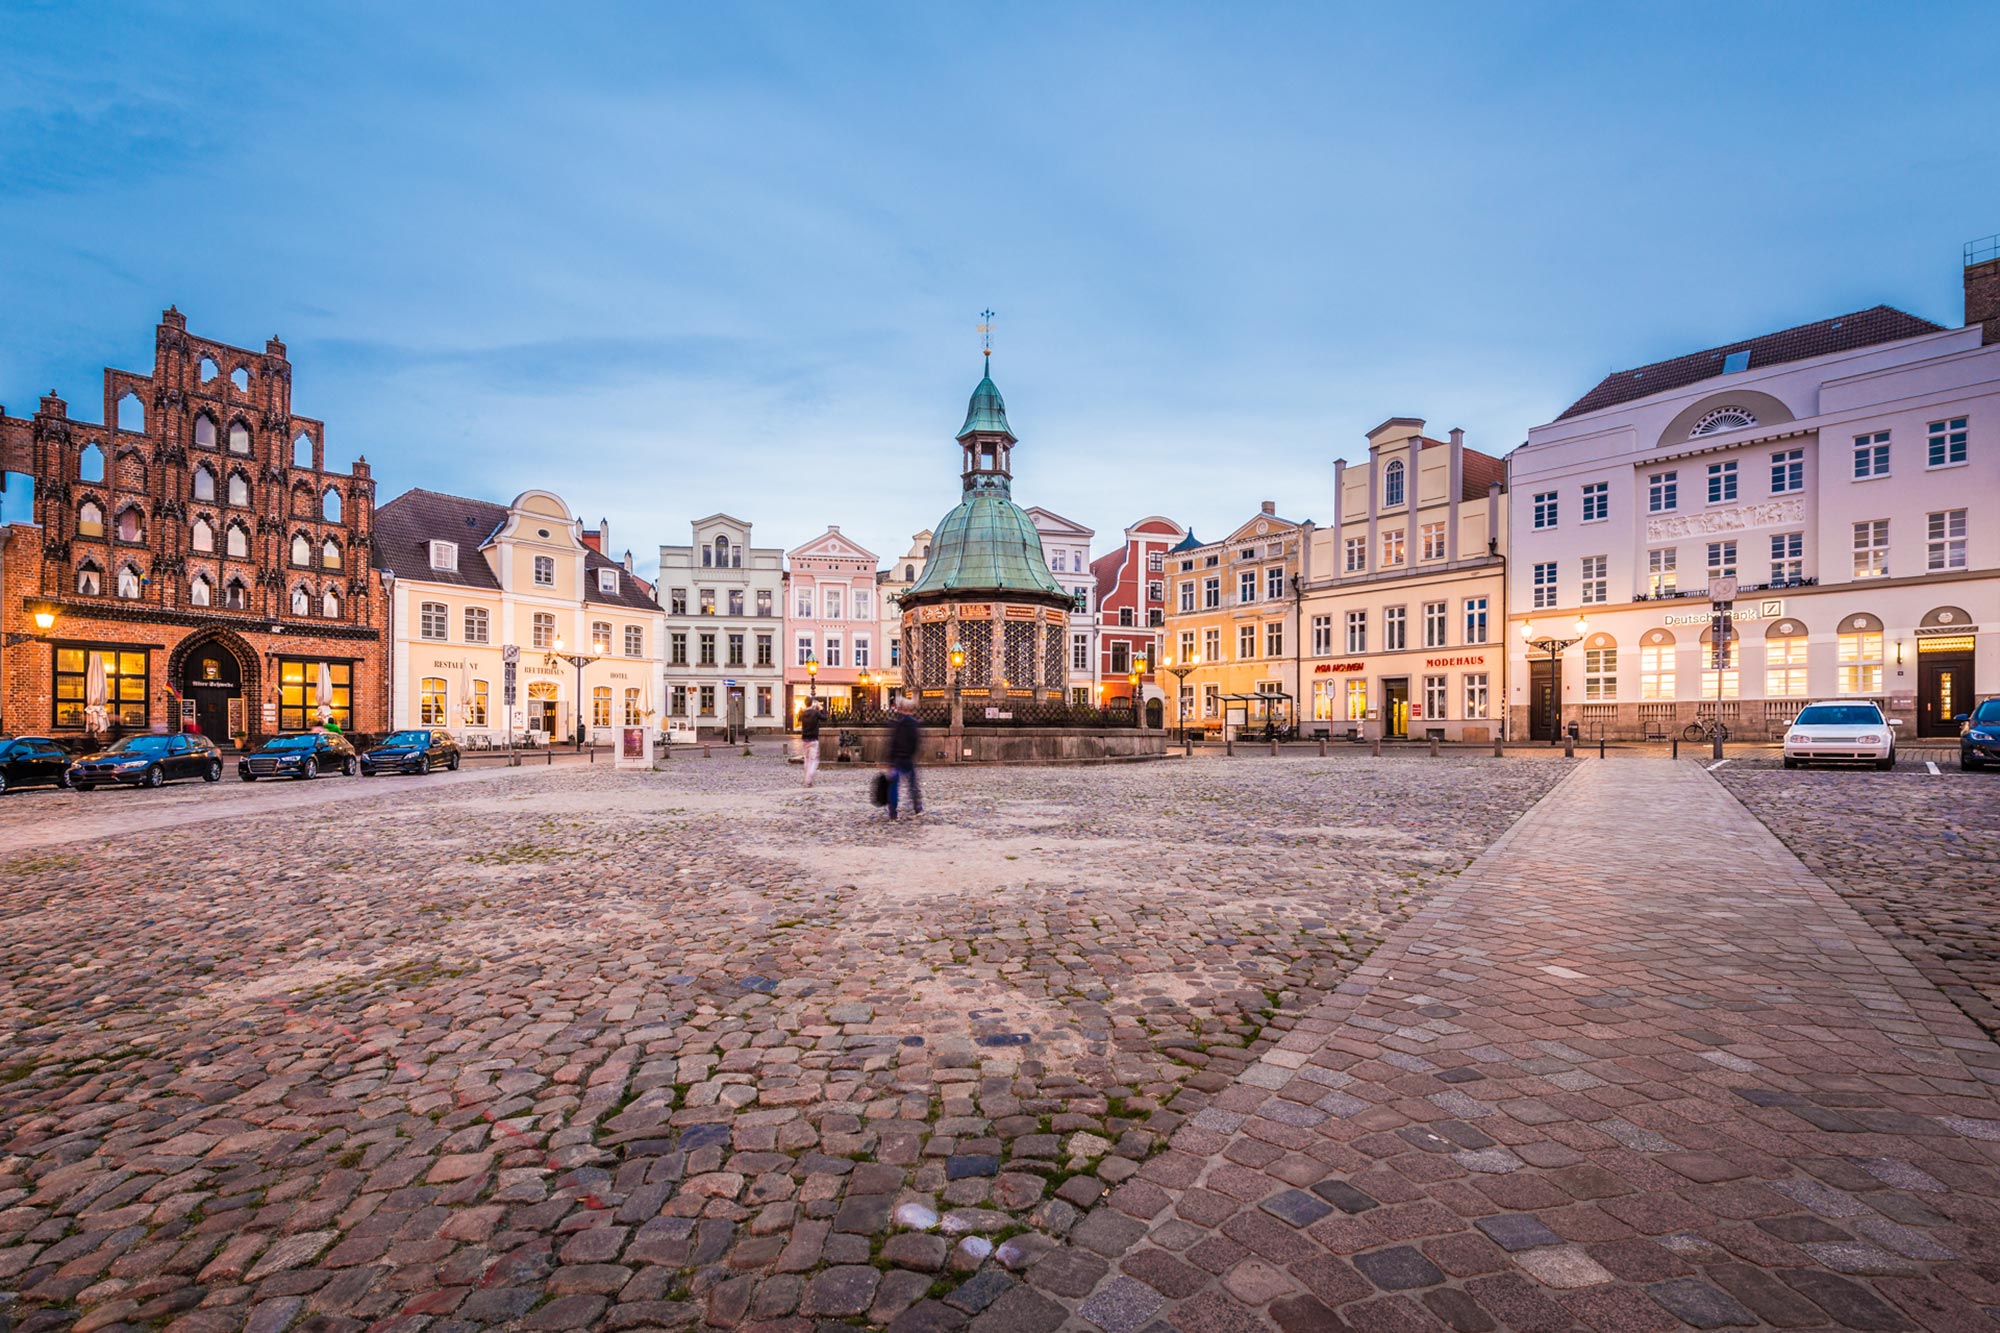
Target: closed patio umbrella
96,716
465,696
323,690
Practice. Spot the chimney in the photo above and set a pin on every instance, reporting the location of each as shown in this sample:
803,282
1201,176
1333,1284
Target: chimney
1982,286
1457,438
1271,507
628,561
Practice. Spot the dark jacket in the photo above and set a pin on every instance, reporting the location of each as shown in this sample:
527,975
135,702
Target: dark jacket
809,722
905,736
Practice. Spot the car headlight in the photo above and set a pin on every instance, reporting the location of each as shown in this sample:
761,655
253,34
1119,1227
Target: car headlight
1984,734
1868,740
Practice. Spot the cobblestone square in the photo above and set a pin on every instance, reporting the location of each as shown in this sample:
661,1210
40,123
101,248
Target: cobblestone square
569,1047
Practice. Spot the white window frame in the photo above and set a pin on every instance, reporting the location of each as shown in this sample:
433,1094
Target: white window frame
1788,557
1543,582
1722,562
1474,687
1546,509
478,623
1945,443
1871,455
1356,555
1477,624
1596,502
1395,628
1432,537
1663,571
1945,544
545,565
434,622
1600,674
1357,632
1437,622
1663,492
1788,471
1596,587
1871,548
1436,702
1722,477
1322,636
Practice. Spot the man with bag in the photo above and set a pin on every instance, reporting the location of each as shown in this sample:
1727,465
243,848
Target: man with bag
809,725
906,736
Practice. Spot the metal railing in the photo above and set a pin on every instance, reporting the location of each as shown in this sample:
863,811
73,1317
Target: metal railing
1983,249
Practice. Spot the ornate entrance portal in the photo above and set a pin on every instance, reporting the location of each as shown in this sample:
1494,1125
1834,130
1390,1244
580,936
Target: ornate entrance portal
215,679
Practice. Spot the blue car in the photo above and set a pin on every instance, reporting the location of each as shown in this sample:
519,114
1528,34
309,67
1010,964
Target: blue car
1979,735
149,761
417,750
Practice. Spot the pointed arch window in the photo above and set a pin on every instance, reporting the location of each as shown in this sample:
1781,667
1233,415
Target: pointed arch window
201,592
89,579
329,505
302,551
90,519
329,603
1392,485
204,483
128,582
90,463
239,490
236,541
201,536
301,601
239,438
204,431
131,414
329,554
302,451
233,595
131,524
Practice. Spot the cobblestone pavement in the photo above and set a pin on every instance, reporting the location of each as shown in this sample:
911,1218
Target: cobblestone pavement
578,1048
1636,1069
1918,856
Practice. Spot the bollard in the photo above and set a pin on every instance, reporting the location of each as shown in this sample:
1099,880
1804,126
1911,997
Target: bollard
1274,749
1569,747
1497,754
1716,751
1322,747
1434,747
1188,748
1677,747
549,757
707,752
1229,746
1600,747
1375,747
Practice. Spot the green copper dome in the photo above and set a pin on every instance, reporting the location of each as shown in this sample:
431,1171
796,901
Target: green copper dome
986,545
986,411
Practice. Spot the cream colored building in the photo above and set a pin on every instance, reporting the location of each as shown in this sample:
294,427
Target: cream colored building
467,579
891,583
1232,621
1404,607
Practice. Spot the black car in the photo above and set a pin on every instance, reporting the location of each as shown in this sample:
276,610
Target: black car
32,761
418,750
1979,735
148,761
299,754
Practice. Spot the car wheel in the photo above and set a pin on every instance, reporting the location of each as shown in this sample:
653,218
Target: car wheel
3,784
310,768
154,776
348,766
62,779
214,773
1791,763
453,765
1884,765
424,769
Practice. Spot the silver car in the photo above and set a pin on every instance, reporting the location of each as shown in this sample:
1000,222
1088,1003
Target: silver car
1849,732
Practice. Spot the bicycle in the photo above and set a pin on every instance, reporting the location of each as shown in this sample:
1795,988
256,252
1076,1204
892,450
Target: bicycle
1696,733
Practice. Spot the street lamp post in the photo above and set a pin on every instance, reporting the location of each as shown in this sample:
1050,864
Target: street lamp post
579,661
812,678
1180,672
957,716
862,700
1554,647
1138,704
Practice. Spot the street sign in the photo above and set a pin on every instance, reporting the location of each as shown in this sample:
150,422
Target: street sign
507,685
511,654
1722,589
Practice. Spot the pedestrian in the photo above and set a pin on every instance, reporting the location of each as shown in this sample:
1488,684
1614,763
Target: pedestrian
906,736
809,725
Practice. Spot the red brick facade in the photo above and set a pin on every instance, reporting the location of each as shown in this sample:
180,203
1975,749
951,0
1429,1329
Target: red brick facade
199,548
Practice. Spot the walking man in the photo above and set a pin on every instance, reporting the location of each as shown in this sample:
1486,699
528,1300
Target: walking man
809,724
905,738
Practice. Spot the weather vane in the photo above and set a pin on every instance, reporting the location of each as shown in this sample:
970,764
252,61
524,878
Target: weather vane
986,333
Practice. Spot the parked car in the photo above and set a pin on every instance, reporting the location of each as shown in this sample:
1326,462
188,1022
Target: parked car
299,754
1850,732
1979,735
418,750
32,761
149,761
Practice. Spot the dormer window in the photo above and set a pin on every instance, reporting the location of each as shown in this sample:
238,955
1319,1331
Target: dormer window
444,555
607,580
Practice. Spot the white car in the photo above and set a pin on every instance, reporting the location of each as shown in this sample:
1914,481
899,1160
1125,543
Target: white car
1850,732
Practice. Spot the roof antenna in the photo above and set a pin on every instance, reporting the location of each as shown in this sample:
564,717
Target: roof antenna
986,339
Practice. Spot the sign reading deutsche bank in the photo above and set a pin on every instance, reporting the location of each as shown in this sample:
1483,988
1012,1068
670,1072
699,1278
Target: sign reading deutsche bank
1769,608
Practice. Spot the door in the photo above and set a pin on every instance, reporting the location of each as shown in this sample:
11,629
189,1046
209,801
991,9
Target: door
1541,700
1944,690
213,680
1396,707
542,715
733,710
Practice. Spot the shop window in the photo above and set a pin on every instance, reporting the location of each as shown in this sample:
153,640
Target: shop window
1785,667
632,713
298,693
1434,698
1656,671
1724,683
90,520
1859,660
126,686
1475,697
432,709
1357,700
1600,674
707,698
475,707
600,706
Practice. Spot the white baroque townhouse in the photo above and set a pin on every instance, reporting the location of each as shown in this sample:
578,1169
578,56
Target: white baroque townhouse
832,635
1066,547
1836,470
725,625
891,583
470,578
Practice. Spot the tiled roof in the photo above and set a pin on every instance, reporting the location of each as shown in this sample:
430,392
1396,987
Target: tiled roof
1864,328
1476,471
407,524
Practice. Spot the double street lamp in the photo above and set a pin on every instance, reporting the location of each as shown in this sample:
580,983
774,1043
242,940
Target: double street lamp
579,661
1138,704
1554,647
1181,671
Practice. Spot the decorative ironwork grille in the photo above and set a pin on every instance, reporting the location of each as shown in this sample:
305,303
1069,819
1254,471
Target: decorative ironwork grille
932,660
1019,644
976,638
1053,655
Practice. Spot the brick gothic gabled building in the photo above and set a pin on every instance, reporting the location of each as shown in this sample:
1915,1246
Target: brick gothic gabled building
198,545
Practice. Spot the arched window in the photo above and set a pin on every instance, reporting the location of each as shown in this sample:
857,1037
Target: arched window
204,483
204,430
201,537
128,582
240,377
90,519
329,505
90,463
301,601
329,554
233,595
200,592
431,701
909,573
1722,419
329,603
722,552
239,438
302,451
236,541
209,370
89,579
1392,485
131,524
132,414
239,490
302,550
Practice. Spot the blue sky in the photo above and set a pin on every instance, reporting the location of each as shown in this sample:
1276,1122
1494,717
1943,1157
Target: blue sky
670,259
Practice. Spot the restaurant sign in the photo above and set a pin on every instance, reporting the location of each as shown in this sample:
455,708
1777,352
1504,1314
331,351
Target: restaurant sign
1325,667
